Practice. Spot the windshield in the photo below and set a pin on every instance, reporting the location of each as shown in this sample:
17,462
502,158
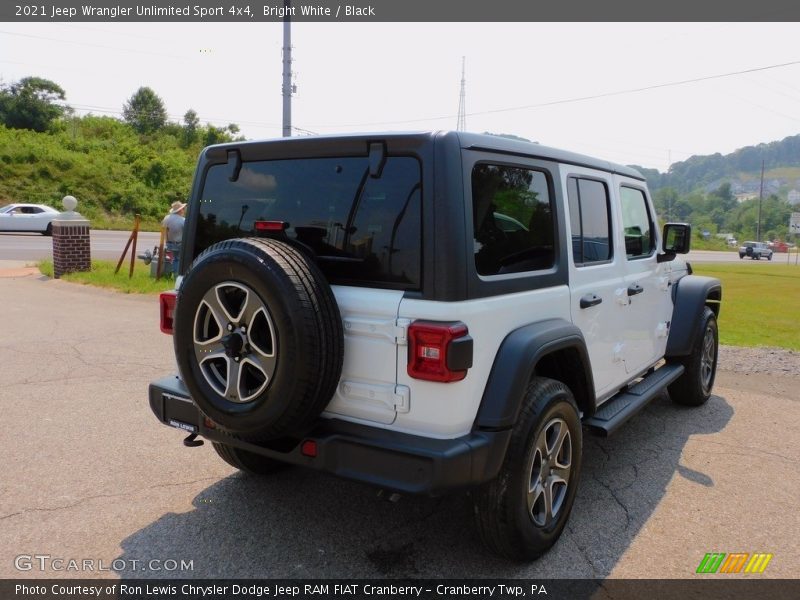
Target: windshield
361,228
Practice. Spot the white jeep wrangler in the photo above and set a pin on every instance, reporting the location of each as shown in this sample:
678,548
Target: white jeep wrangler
430,312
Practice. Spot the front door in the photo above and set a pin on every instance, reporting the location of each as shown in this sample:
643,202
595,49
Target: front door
647,284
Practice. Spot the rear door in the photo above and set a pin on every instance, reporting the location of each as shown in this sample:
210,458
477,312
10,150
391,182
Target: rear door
597,303
363,227
384,233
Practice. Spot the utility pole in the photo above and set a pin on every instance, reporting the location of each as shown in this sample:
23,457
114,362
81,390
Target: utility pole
288,89
461,124
760,198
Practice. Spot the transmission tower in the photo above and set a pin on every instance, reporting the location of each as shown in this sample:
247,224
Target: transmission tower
462,100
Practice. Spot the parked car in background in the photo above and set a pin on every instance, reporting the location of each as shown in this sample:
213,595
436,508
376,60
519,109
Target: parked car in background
27,217
778,246
755,250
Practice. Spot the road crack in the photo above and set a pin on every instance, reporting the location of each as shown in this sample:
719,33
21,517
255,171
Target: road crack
102,496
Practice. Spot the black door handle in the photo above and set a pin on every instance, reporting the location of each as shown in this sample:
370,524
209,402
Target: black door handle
590,300
635,289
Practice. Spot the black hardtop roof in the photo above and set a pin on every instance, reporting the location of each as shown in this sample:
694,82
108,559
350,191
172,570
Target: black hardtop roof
485,141
467,141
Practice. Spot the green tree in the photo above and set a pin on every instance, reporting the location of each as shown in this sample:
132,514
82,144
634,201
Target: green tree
190,124
144,111
31,103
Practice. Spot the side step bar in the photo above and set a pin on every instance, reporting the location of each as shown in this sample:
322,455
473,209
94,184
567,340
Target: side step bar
613,413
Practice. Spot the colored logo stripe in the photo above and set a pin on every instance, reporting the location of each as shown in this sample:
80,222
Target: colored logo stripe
711,562
758,563
717,562
734,563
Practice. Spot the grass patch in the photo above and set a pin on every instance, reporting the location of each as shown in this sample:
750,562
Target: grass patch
102,275
759,303
712,244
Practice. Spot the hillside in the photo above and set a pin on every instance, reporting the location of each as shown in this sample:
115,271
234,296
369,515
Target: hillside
116,172
113,171
742,169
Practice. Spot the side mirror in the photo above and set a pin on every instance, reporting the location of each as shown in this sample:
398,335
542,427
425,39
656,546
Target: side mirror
677,239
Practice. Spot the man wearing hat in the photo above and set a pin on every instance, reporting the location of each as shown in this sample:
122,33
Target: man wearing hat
173,228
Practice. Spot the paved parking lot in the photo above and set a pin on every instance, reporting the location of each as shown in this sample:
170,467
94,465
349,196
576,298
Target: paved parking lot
90,474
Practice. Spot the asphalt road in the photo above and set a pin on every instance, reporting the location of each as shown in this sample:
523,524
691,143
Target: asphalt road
89,473
106,245
713,256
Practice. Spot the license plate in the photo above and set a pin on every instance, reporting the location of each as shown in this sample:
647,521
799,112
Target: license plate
182,425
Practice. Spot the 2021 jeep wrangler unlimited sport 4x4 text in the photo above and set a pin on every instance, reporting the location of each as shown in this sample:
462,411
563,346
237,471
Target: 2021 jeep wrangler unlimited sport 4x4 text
430,312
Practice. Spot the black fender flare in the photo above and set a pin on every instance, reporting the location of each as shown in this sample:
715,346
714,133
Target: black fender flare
690,295
515,364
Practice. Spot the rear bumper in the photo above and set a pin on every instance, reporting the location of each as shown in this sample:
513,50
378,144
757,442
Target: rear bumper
389,459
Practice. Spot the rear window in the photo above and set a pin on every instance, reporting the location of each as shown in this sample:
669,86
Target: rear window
363,230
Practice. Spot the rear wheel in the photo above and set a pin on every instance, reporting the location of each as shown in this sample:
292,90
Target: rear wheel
49,230
251,463
693,388
522,512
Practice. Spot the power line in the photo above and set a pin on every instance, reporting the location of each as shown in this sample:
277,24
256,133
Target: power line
90,45
579,98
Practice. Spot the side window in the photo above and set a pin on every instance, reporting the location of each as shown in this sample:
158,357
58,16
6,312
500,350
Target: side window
512,214
589,220
639,238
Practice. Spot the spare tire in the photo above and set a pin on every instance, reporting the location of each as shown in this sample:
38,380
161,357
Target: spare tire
258,338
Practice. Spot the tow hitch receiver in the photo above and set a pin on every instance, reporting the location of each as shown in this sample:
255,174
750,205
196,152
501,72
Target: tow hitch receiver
191,441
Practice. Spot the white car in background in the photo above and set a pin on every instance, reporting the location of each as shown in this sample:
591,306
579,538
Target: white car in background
27,217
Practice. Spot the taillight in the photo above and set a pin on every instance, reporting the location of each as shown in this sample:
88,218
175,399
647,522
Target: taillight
166,303
309,448
439,351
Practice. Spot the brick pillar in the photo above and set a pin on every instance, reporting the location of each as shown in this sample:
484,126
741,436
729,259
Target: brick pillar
71,249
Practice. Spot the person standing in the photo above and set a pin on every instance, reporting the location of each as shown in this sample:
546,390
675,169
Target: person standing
173,228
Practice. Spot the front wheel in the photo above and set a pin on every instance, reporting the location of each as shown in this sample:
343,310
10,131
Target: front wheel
522,512
693,388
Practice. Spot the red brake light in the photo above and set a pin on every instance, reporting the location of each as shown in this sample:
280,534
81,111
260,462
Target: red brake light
439,351
167,301
309,448
271,225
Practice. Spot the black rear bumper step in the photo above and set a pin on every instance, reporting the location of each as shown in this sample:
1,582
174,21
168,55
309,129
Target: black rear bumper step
613,413
388,459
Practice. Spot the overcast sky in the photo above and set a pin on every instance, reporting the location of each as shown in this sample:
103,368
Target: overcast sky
521,78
